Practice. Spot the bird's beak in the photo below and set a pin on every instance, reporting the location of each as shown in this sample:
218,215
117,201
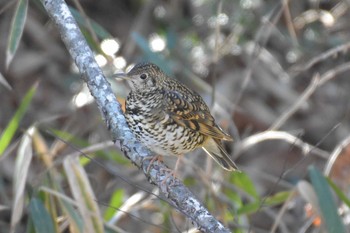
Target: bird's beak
122,76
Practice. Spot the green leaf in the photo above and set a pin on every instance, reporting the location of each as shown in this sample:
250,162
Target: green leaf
68,137
249,208
74,218
11,128
326,202
277,198
141,42
337,190
244,182
41,218
115,202
16,30
95,45
253,207
78,142
235,198
73,141
117,157
98,29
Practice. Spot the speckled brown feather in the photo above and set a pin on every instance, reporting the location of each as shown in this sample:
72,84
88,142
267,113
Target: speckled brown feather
188,110
169,118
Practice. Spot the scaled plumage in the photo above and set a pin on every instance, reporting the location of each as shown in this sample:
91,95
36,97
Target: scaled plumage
169,118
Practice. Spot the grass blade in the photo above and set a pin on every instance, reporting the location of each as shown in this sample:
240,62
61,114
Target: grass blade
16,30
98,29
41,218
11,128
339,192
83,194
23,160
116,201
326,202
4,82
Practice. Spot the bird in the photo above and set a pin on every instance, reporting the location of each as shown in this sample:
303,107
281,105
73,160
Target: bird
171,119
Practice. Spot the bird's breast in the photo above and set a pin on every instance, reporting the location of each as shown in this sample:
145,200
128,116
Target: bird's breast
155,128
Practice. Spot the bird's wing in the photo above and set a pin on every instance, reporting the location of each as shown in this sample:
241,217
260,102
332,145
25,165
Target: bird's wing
189,110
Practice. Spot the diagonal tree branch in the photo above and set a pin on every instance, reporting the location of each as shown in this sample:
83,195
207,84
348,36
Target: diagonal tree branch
178,195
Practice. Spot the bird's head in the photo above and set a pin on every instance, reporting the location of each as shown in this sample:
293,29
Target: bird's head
143,77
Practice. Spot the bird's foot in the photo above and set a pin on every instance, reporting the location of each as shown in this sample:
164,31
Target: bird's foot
171,173
152,160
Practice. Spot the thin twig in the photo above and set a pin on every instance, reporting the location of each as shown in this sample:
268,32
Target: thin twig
283,209
215,57
289,22
279,135
335,154
87,21
316,82
92,148
322,57
262,36
301,100
8,5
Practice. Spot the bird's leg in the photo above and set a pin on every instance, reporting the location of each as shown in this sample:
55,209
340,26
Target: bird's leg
177,163
172,172
152,160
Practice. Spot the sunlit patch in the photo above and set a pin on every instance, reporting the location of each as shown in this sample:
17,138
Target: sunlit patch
246,4
74,68
222,19
250,4
310,16
156,43
110,46
213,39
236,50
82,98
292,56
119,63
343,211
310,34
101,60
198,20
157,218
200,59
327,18
198,52
201,69
197,3
159,12
187,42
129,67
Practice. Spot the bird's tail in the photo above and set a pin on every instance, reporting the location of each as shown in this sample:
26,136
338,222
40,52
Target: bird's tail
215,149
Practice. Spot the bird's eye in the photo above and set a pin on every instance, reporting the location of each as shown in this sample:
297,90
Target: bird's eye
143,76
